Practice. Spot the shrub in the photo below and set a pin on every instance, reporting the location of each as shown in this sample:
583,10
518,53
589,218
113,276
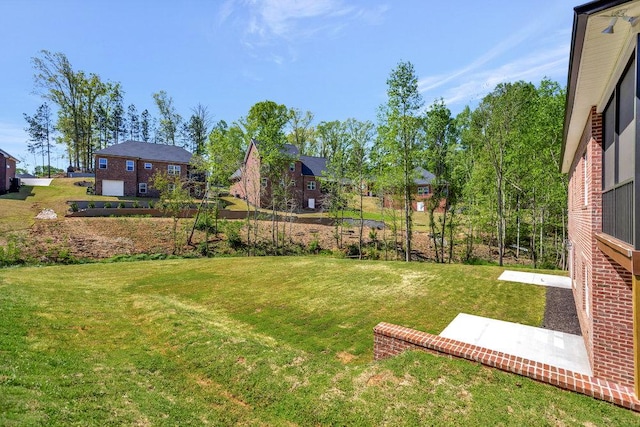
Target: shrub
151,204
136,204
74,207
11,254
314,245
91,204
206,222
232,231
121,205
107,205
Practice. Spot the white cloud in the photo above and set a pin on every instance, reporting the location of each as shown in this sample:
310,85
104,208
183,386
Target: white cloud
270,22
532,67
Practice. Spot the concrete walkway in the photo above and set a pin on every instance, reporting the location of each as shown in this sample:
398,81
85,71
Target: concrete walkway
554,348
36,182
536,279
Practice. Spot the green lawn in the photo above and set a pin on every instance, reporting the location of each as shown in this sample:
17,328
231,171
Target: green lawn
261,341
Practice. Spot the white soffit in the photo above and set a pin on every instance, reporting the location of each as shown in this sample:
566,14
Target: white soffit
602,61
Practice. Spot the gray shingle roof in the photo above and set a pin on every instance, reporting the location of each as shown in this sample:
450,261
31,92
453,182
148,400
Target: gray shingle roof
147,151
313,166
423,177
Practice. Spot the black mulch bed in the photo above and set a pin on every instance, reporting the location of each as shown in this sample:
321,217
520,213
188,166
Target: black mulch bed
560,311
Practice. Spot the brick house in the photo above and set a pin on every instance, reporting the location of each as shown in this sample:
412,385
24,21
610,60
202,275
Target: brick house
422,192
126,169
602,157
7,171
305,173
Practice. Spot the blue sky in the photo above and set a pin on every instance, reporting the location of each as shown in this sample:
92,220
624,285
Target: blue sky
331,57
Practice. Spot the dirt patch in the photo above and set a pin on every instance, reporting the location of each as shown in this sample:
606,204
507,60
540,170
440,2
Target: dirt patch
100,238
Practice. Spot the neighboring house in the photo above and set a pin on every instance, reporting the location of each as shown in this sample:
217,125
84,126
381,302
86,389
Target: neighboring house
601,154
7,172
305,173
422,191
126,169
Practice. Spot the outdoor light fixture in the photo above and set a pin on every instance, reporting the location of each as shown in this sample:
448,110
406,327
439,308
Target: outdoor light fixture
609,29
632,20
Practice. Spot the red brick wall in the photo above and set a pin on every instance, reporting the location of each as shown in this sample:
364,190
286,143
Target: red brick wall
249,187
602,289
117,170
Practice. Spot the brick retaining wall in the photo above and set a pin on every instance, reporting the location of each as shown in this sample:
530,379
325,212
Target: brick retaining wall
391,340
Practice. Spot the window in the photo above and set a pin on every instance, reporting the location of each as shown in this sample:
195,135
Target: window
142,188
263,182
173,169
148,165
423,191
618,158
311,185
130,165
292,167
102,163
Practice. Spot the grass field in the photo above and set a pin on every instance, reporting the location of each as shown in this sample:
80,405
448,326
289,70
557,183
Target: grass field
261,341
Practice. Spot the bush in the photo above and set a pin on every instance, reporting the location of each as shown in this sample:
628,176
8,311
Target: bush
232,229
74,207
151,204
121,205
314,245
91,204
107,205
11,254
206,222
136,204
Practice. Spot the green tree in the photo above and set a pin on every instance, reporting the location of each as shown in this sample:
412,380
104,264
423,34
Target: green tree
76,96
197,129
170,120
133,120
360,135
266,123
440,149
401,138
40,129
302,133
174,198
145,125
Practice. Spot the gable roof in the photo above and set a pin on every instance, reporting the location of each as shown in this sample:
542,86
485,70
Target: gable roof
7,155
313,166
147,151
423,177
593,64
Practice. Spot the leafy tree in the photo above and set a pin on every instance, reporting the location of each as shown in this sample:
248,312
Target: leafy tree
360,135
440,134
302,133
170,120
174,198
145,125
401,138
197,129
266,122
39,130
133,120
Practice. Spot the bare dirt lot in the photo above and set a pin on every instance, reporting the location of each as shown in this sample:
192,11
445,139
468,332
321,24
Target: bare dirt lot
100,238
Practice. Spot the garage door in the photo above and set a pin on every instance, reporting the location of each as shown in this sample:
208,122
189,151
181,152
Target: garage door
112,188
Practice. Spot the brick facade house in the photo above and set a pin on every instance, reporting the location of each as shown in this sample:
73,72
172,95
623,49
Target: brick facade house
601,154
305,173
7,171
126,169
422,192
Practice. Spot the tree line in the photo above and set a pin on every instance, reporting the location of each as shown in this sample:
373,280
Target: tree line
496,181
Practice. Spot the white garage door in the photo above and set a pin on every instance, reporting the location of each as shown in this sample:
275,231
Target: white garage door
112,188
